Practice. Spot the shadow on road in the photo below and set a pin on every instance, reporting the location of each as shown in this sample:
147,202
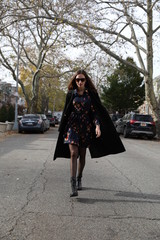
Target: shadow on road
134,197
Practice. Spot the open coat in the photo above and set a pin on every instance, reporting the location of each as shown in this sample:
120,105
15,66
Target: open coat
108,143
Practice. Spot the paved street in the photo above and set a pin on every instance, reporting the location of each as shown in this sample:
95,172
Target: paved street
120,200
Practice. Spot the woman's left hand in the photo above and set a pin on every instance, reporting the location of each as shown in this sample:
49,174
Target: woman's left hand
98,131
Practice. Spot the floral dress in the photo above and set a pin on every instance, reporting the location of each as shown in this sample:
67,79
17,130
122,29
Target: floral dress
79,129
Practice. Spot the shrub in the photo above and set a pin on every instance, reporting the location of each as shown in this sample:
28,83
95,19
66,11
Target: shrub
11,114
3,114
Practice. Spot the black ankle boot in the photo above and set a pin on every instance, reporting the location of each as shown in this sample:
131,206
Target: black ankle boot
79,183
73,187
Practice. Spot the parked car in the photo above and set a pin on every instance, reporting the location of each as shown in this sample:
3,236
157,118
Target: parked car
114,117
56,120
31,122
46,122
19,117
134,124
51,119
58,115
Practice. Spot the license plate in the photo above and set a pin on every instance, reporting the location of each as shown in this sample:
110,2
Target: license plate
143,124
29,123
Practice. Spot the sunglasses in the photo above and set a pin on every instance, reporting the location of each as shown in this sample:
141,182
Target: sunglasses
80,79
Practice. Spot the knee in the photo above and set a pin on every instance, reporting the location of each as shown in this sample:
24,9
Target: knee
82,159
74,154
82,156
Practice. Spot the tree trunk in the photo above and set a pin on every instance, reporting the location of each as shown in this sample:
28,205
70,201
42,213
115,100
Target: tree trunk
152,102
34,105
149,89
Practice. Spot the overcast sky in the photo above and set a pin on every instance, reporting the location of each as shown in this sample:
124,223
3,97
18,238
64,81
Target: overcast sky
6,76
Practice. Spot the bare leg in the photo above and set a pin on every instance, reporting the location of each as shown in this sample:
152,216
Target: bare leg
73,162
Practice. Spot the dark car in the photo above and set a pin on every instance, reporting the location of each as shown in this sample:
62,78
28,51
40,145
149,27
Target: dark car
51,119
135,124
31,122
46,122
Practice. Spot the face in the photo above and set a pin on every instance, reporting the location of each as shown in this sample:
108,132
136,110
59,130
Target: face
80,81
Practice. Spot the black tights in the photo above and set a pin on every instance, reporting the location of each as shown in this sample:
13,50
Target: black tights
76,152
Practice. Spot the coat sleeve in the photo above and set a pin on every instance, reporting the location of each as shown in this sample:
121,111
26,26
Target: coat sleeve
67,102
100,109
62,150
109,142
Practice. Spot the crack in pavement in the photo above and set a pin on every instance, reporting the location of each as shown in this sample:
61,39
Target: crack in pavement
129,180
29,198
140,191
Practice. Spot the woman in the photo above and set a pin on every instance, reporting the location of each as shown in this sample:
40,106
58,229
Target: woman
85,124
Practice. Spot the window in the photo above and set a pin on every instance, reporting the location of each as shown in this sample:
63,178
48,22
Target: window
143,118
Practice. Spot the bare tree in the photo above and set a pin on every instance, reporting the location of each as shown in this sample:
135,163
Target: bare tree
34,45
37,37
40,44
119,28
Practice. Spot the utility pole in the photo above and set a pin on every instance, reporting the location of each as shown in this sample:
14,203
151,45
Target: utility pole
15,126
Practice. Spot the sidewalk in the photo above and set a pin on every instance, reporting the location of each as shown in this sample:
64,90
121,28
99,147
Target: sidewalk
7,133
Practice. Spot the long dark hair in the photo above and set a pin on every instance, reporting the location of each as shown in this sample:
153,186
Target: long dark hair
89,84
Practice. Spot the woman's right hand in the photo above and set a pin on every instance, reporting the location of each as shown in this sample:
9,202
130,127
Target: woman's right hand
98,131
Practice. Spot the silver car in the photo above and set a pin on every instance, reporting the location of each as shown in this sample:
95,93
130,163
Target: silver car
46,122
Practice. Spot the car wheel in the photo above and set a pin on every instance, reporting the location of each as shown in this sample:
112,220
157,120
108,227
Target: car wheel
19,131
117,130
125,133
42,130
150,137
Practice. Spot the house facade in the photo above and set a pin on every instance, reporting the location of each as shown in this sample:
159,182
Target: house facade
144,108
156,85
7,93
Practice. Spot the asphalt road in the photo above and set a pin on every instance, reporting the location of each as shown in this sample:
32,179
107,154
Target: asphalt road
120,199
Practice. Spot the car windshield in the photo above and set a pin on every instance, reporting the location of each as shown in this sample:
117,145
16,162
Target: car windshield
143,118
31,116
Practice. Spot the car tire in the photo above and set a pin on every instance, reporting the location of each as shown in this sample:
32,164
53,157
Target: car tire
118,132
150,137
42,130
19,130
125,133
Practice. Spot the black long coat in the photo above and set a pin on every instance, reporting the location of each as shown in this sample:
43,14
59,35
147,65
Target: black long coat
109,141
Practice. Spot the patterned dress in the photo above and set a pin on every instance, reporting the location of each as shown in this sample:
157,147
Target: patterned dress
79,129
